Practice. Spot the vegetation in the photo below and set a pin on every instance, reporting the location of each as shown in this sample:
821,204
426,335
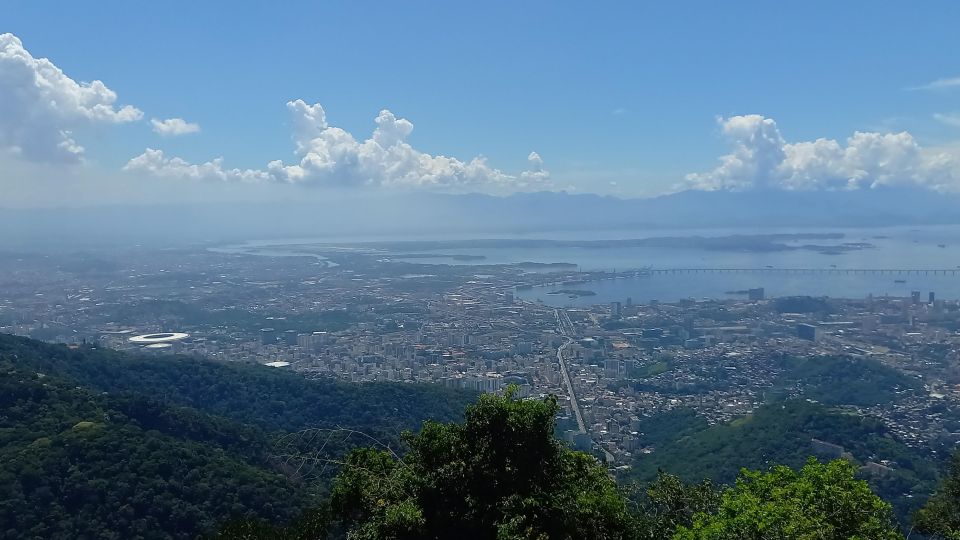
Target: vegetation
940,517
781,433
272,399
501,475
74,464
100,444
801,304
668,504
248,321
835,380
819,501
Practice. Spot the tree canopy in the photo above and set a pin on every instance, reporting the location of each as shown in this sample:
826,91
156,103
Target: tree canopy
940,517
821,501
500,474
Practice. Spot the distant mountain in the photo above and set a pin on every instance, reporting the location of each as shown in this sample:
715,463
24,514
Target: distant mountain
425,214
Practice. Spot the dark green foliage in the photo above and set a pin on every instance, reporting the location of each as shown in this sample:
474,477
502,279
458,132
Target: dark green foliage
100,444
837,380
820,502
781,433
669,503
247,321
801,304
501,474
940,517
618,324
79,465
671,425
271,398
312,525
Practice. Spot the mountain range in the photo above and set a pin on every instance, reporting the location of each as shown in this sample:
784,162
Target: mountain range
423,215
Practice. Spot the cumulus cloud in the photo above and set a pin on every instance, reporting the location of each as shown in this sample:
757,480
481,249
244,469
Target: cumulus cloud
156,163
40,106
940,84
761,158
173,127
330,156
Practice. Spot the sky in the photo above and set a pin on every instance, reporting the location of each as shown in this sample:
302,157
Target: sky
204,100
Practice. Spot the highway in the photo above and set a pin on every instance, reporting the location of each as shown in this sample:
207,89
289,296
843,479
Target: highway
565,325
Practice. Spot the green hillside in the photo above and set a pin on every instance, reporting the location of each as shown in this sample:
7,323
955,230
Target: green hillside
781,433
100,444
271,398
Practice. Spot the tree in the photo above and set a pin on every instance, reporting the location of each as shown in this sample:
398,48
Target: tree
501,474
822,501
940,517
669,503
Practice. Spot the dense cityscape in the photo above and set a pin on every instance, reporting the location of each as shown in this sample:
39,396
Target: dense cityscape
360,315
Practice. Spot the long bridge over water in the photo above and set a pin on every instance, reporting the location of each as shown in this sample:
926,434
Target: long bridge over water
834,271
588,276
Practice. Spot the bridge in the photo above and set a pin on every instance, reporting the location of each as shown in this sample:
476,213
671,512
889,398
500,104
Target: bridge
815,271
573,280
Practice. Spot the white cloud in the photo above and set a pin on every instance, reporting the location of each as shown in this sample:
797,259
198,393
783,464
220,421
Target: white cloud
40,105
949,119
156,163
173,127
761,158
330,156
939,84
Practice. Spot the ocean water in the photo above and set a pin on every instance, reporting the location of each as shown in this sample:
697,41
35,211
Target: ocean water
673,287
918,248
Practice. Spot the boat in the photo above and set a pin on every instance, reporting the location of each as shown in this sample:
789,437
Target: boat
899,281
941,245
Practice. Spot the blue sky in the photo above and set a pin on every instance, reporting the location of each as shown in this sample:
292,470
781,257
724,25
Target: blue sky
616,98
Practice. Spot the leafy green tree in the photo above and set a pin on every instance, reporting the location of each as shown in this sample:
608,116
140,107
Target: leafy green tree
823,501
501,474
669,503
940,517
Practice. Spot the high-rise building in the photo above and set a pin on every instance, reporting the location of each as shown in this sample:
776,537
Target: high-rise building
755,294
268,336
915,296
616,310
809,332
931,297
612,369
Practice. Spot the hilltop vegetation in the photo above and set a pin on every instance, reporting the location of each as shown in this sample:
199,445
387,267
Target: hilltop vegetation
781,433
100,444
834,380
270,398
502,475
77,464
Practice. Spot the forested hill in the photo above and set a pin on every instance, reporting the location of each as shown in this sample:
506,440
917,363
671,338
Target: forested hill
99,444
271,398
782,433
